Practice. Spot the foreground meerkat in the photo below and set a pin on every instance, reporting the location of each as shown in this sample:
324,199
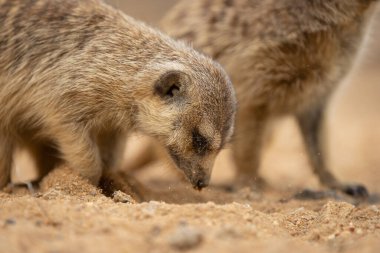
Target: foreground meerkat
77,76
284,57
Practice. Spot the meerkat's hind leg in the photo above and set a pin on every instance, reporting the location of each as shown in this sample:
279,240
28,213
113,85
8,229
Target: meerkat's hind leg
310,126
6,154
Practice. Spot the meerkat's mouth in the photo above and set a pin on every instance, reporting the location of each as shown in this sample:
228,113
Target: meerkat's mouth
194,173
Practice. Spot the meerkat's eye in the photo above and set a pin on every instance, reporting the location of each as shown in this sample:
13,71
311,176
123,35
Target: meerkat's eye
171,84
200,143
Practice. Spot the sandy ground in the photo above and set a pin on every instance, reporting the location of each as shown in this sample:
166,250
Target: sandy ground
67,214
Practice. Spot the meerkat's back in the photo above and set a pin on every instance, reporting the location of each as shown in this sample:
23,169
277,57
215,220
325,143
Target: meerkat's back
287,44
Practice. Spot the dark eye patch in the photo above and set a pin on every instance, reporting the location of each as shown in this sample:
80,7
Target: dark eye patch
200,143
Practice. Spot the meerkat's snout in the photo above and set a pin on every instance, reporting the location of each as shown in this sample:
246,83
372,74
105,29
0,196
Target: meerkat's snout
196,170
197,145
200,183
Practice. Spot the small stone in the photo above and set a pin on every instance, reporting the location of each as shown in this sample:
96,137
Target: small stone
52,194
37,195
119,196
149,209
93,193
10,222
351,227
374,208
331,237
359,231
185,238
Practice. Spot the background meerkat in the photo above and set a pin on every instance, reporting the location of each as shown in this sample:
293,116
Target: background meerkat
284,57
76,76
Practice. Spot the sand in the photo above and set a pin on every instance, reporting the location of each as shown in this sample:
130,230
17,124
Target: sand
69,215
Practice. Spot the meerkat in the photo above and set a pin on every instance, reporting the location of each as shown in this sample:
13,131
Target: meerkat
284,58
77,76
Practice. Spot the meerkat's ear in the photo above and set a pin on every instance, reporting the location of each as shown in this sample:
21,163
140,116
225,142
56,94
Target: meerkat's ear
171,84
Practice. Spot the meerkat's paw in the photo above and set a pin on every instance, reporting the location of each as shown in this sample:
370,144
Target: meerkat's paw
355,190
353,193
113,182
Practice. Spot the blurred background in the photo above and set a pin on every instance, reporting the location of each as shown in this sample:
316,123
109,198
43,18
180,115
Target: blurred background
352,125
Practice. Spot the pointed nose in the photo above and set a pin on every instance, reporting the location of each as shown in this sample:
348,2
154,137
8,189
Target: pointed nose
200,184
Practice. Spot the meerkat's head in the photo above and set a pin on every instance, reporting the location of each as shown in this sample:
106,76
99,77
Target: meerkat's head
190,107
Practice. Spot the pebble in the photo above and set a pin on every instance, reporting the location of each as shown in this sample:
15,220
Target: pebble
185,237
374,208
122,197
150,208
52,194
331,237
359,231
10,222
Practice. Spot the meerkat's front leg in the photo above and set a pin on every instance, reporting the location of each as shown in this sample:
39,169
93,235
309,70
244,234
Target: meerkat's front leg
6,151
250,124
111,146
80,151
310,125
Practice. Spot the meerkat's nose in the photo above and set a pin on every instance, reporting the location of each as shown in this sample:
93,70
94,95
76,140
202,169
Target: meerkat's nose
200,184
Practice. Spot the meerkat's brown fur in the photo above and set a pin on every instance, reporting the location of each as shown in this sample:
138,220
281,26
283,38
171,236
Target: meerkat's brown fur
284,57
77,76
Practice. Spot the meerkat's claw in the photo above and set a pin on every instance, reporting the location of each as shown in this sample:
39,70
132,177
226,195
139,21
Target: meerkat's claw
356,191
